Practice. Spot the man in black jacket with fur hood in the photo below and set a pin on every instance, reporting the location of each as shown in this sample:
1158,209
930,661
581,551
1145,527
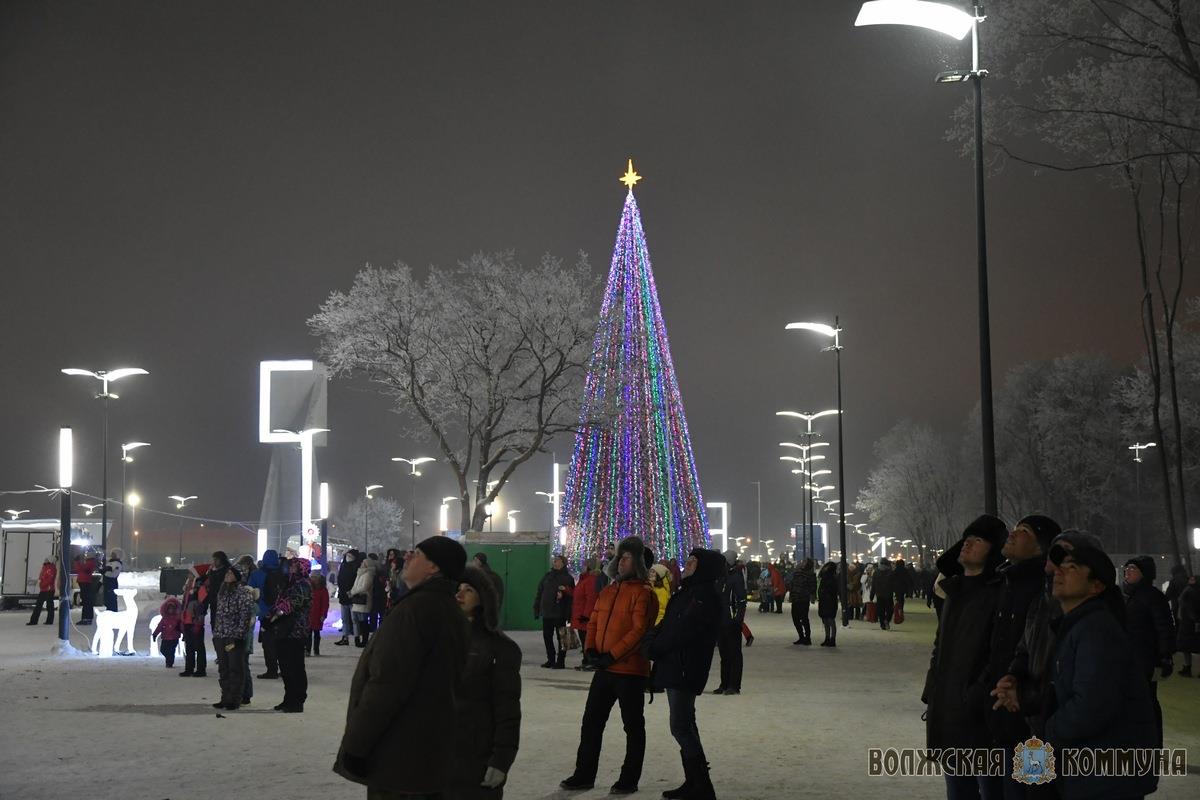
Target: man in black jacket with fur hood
1150,627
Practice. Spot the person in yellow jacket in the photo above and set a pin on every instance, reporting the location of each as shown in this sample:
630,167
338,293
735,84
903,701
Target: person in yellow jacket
660,583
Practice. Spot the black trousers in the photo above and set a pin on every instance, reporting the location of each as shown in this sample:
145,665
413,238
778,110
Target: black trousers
550,637
883,607
800,619
628,691
313,645
729,644
168,647
195,658
267,640
231,660
290,652
48,599
87,599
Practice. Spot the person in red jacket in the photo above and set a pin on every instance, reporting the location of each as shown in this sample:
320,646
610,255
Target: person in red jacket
620,619
591,581
85,568
169,629
316,614
46,580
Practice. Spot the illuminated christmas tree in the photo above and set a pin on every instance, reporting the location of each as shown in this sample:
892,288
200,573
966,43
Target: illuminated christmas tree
632,470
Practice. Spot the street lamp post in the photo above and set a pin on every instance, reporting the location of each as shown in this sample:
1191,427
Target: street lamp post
512,520
834,332
180,502
956,22
367,515
133,499
66,473
809,433
1137,449
126,460
105,377
414,473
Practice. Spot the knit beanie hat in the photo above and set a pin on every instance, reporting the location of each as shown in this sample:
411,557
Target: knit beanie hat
1044,528
992,530
449,556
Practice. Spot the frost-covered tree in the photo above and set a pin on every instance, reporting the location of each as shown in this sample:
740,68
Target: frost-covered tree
1112,87
486,358
383,527
915,488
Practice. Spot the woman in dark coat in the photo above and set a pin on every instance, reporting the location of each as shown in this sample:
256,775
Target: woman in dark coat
682,650
827,602
552,604
488,698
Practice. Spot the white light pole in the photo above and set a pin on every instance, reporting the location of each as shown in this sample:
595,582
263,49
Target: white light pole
133,499
105,377
1137,449
834,332
512,521
306,474
957,23
126,460
367,497
810,434
444,512
66,475
413,474
180,502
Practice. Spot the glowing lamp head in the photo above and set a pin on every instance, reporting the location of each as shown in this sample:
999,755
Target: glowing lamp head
941,17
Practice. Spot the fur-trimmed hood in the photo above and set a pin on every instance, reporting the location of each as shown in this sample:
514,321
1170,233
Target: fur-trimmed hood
488,614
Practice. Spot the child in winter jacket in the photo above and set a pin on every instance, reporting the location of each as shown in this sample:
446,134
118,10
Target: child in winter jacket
316,614
169,629
195,657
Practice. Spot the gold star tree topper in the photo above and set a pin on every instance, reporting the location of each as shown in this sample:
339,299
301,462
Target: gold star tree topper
630,177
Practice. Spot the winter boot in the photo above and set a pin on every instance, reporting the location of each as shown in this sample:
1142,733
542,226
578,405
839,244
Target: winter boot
342,642
696,770
561,661
684,790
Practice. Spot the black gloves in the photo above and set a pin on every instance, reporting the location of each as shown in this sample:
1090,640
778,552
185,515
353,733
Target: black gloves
603,661
591,654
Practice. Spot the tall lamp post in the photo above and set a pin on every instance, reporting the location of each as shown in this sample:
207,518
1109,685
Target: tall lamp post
66,472
105,377
180,502
413,474
809,434
367,497
133,500
834,332
957,23
126,460
1137,449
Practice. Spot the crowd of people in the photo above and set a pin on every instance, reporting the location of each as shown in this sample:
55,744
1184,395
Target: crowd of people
1038,636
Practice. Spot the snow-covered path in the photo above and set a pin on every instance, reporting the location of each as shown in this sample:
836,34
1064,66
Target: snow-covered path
128,728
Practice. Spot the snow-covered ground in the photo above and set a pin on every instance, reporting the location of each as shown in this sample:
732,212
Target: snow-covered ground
127,728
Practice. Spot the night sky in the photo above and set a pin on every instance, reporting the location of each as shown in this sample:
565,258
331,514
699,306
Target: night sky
184,184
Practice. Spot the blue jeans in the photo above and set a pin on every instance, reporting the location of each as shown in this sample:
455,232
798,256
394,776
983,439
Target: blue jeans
347,620
682,704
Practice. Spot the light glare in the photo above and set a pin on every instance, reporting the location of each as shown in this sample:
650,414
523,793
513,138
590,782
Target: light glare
938,17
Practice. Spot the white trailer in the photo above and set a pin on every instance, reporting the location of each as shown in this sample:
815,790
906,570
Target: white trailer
24,545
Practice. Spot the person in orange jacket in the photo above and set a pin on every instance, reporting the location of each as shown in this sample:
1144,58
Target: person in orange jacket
46,580
624,612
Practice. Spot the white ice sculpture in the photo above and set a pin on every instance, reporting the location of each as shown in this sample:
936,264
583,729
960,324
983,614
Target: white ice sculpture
155,650
112,626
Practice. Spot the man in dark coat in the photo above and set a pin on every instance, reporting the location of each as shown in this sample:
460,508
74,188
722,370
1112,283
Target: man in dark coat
552,603
954,686
1021,580
802,588
400,721
882,584
1101,700
346,574
729,637
1150,627
270,580
682,651
481,560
